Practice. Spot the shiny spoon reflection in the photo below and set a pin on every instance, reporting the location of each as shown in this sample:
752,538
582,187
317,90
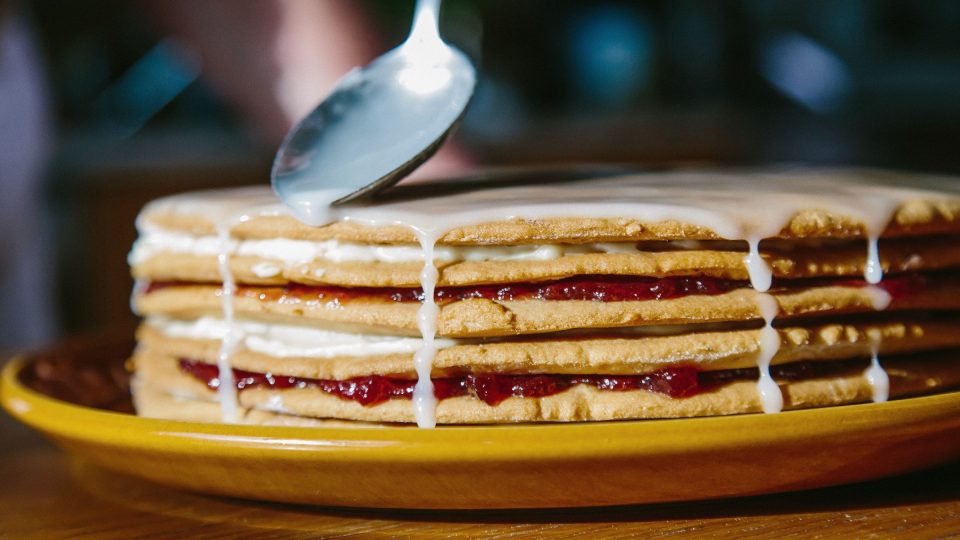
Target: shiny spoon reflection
379,124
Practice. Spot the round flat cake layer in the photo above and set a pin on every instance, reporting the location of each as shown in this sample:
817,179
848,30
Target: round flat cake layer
896,256
709,351
579,403
915,217
478,317
152,402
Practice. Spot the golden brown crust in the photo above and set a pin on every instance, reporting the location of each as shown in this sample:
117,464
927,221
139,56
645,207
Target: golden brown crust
708,350
151,402
579,403
485,318
804,262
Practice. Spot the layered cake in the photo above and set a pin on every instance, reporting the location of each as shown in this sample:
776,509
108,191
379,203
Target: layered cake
649,295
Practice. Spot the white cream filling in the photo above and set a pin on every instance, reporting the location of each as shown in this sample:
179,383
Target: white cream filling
153,241
288,340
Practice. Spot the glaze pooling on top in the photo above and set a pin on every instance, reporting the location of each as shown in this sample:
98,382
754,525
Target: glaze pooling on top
746,206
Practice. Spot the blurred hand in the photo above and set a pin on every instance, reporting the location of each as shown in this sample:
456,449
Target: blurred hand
276,59
272,59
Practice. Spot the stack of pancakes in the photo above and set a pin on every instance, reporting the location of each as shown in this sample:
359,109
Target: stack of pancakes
541,318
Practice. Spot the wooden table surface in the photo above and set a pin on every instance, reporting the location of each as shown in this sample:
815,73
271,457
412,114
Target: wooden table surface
44,493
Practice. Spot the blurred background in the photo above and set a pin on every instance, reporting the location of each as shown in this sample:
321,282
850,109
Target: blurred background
106,104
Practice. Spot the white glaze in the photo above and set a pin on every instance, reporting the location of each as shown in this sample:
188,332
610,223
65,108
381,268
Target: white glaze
225,209
879,298
761,277
139,287
424,402
771,398
877,376
734,205
226,386
872,270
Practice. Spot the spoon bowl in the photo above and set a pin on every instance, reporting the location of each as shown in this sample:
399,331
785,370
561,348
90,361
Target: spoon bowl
379,124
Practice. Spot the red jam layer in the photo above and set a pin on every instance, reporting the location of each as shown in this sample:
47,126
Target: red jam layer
492,388
595,288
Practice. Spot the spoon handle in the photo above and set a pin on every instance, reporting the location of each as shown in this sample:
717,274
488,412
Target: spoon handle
426,21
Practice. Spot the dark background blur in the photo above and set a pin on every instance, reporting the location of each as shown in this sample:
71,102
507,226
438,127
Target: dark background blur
853,82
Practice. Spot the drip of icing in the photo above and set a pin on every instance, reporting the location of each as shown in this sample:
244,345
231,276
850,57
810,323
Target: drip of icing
761,277
770,395
872,270
227,389
873,274
424,401
224,212
140,286
879,298
877,376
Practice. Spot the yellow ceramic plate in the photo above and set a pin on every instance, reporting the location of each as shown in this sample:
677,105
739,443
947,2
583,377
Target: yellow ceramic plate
506,466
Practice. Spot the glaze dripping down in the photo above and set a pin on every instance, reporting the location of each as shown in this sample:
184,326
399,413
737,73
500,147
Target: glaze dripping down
228,345
424,400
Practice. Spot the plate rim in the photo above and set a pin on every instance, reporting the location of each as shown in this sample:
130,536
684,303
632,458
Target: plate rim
560,441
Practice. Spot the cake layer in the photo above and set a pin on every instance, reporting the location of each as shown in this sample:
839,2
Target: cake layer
596,354
911,219
281,263
483,317
665,205
153,402
908,376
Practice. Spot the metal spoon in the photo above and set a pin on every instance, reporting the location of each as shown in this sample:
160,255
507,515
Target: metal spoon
379,124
